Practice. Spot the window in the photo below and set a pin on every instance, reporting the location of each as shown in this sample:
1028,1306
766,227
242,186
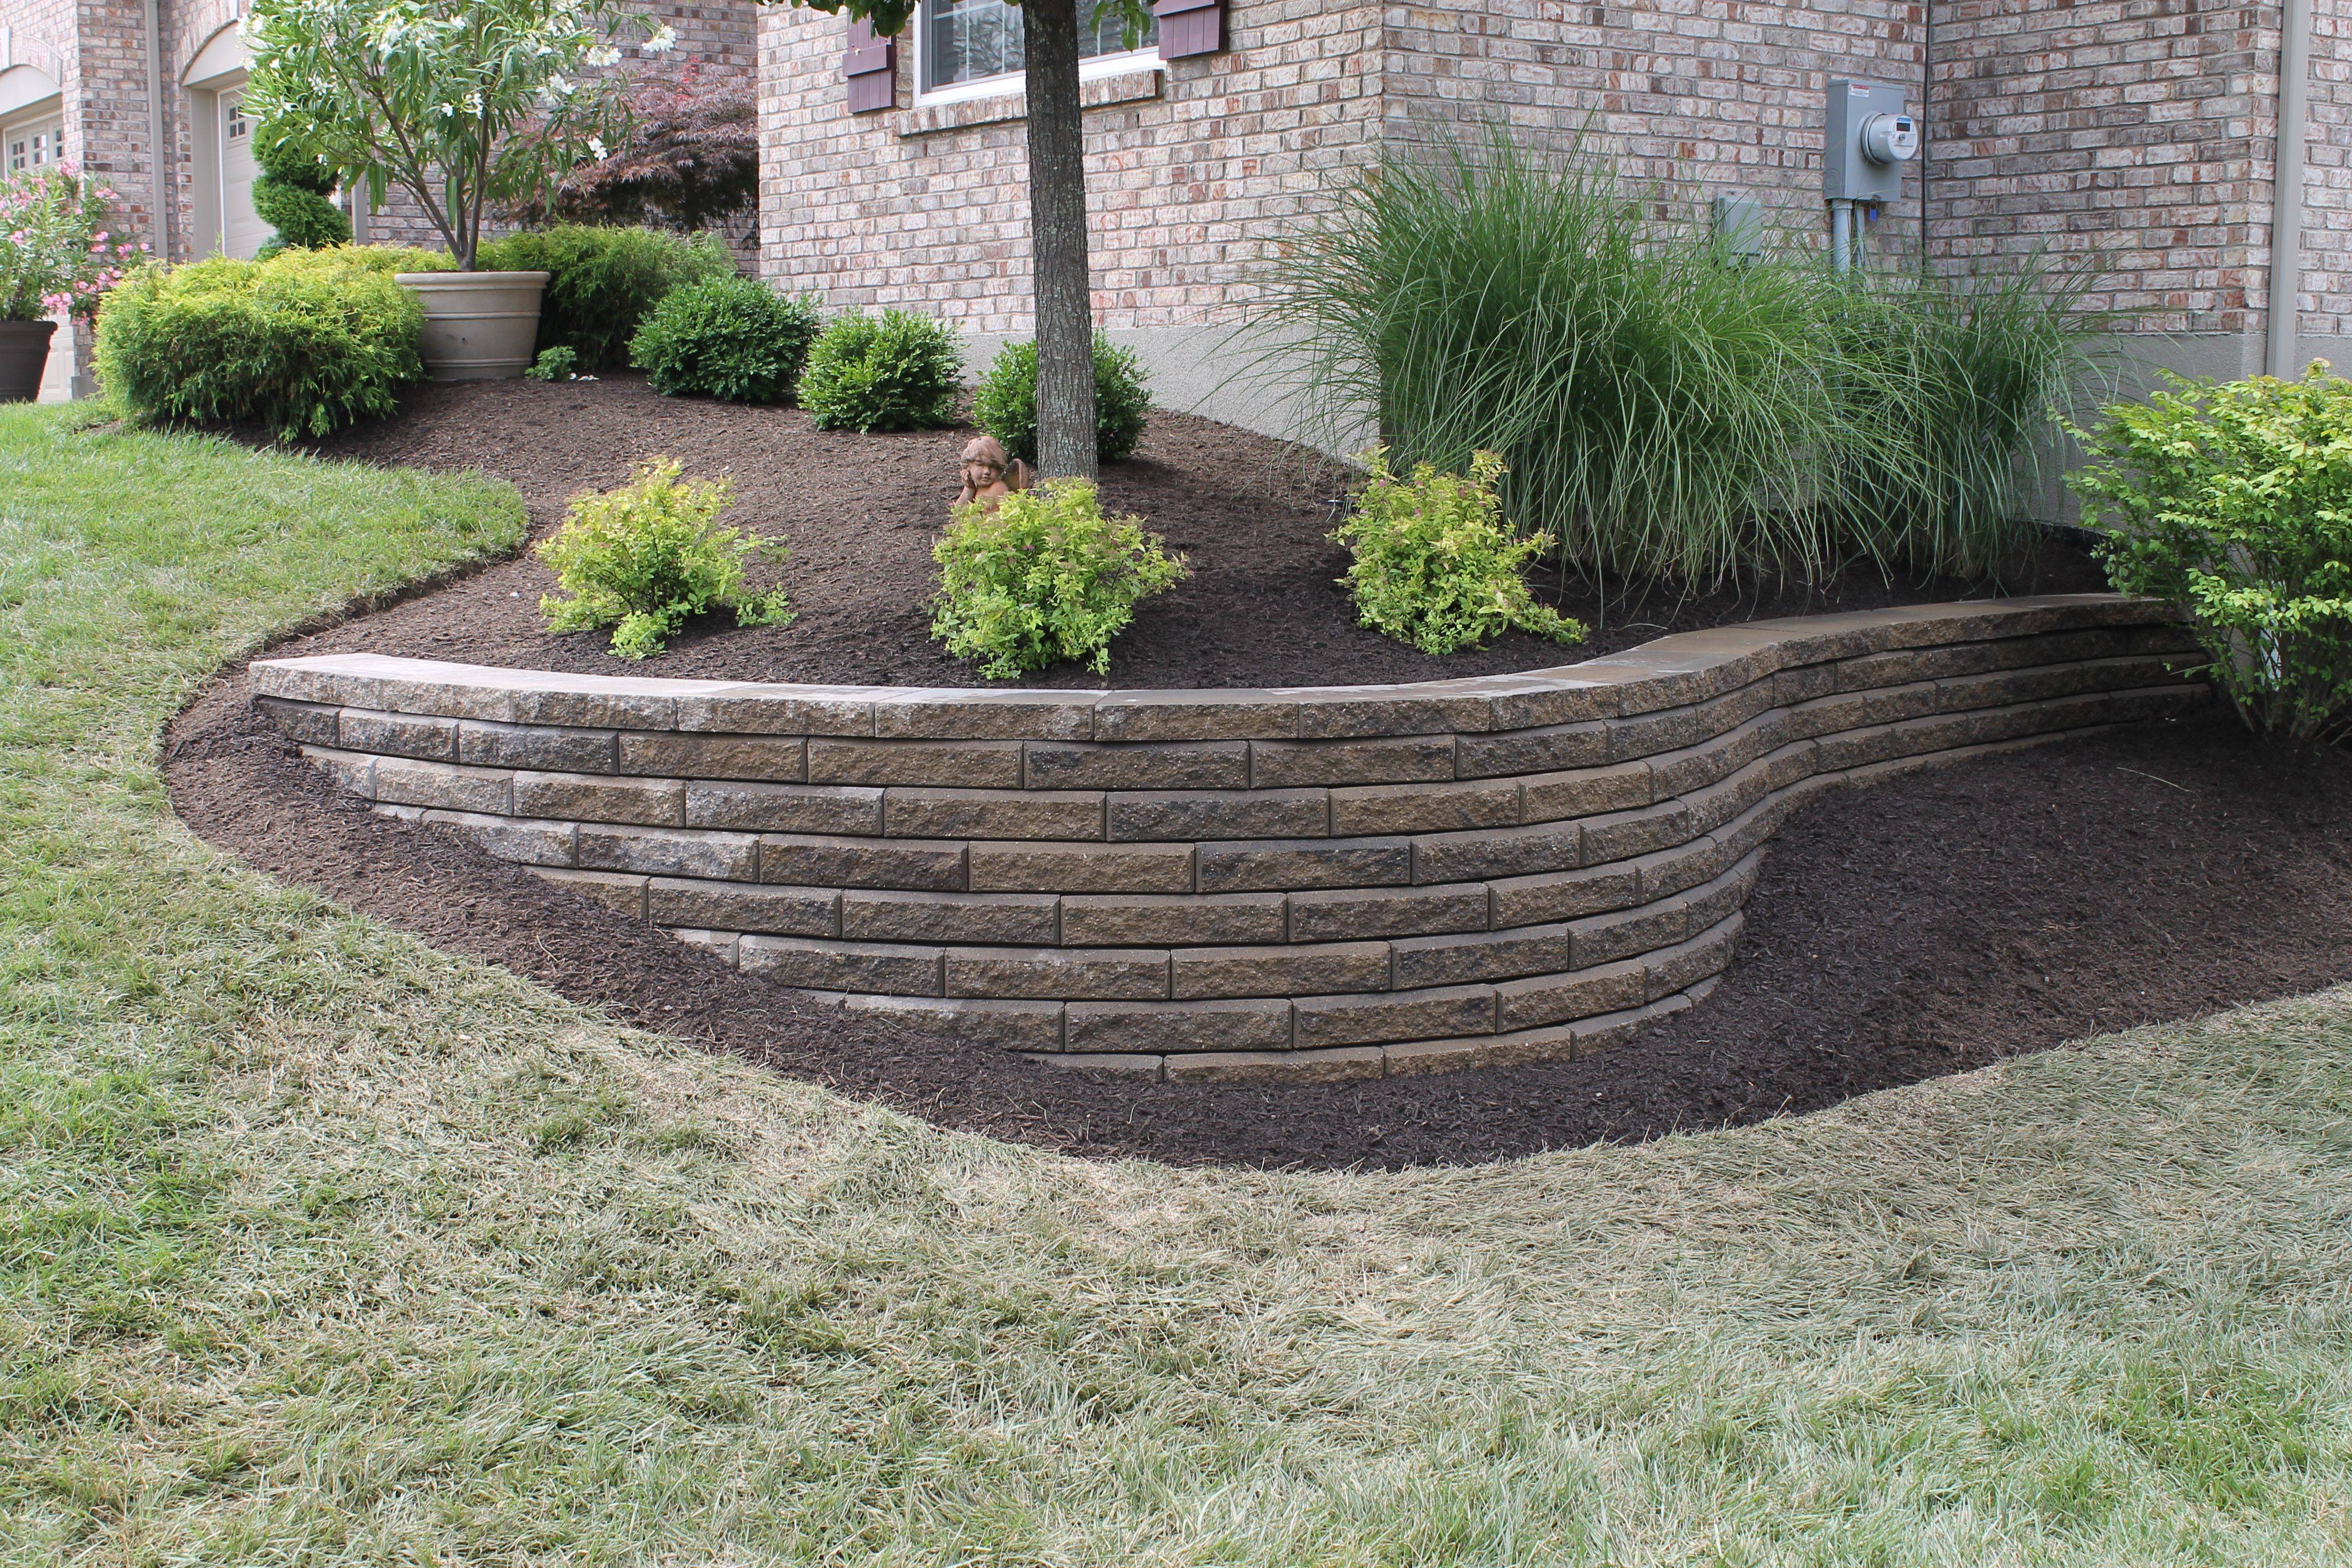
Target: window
233,122
968,45
30,146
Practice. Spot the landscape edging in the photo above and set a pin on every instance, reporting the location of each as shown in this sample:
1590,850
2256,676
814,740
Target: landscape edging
1340,881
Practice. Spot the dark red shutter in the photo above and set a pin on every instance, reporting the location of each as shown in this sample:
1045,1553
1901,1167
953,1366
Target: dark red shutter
871,66
1190,28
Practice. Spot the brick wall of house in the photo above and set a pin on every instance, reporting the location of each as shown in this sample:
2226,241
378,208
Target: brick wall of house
2327,184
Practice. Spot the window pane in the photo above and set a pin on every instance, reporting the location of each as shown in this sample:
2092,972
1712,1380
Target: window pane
966,40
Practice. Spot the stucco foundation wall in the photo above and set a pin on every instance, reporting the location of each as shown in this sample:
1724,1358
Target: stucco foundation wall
1349,881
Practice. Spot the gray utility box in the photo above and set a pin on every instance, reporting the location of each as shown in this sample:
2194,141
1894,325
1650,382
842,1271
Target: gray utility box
1869,136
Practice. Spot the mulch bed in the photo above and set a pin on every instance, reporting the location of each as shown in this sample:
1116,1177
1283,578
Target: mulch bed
1931,924
860,512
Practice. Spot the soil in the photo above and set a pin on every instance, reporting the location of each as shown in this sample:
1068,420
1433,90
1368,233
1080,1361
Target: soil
1931,924
860,512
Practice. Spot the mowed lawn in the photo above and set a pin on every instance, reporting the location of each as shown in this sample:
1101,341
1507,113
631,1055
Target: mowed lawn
318,1247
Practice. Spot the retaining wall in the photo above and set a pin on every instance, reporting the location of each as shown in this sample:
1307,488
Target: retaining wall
1338,882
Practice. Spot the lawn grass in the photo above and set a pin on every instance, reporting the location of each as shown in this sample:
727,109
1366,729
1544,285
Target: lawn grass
320,1246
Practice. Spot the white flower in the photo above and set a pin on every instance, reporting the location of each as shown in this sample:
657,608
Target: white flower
664,39
596,147
604,56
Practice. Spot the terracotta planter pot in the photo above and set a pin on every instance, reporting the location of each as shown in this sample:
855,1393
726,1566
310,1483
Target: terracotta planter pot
24,354
479,326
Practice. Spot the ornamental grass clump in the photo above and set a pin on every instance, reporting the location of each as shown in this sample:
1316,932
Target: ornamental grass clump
645,558
1005,403
731,338
896,371
1434,564
2235,503
1044,577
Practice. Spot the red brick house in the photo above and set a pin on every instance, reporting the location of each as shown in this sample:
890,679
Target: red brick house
893,171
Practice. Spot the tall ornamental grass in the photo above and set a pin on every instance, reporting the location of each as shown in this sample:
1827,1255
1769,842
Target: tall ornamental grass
1665,409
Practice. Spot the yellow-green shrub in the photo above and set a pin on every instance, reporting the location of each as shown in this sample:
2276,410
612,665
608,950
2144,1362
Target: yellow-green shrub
1044,577
644,558
1434,565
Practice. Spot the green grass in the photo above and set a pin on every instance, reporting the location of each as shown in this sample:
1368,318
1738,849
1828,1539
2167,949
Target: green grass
318,1247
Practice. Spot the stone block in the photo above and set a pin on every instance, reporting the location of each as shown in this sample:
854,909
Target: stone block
1146,1069
1082,867
725,946
1350,914
947,715
1189,815
1504,852
1425,807
993,814
1629,835
538,747
1688,963
1561,998
1210,715
1168,1027
1326,1066
1204,973
304,723
784,807
1065,973
1223,765
601,798
1587,792
351,771
771,758
512,839
1171,920
1685,772
1605,939
1728,798
819,862
620,893
1564,895
669,852
959,765
1247,865
1360,713
1294,765
397,735
814,965
753,709
628,704
1377,1019
400,782
1470,957
881,915
1000,1025
1550,749
744,907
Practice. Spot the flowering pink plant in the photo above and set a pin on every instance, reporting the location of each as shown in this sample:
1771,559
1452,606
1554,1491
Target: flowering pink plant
59,254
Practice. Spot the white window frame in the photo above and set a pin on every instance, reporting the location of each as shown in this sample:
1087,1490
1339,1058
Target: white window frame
52,121
1006,84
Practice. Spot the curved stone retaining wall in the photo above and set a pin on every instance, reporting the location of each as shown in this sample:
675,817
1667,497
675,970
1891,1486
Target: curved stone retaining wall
1341,881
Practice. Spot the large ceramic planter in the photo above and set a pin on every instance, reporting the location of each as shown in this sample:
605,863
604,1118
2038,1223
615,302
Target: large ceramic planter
479,326
24,354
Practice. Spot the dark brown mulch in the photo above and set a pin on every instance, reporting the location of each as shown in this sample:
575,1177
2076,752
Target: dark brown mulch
1928,925
860,513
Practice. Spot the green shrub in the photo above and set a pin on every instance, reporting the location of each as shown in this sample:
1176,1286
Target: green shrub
1005,406
305,342
1042,577
896,371
554,364
602,282
290,191
732,338
2235,503
644,558
1434,565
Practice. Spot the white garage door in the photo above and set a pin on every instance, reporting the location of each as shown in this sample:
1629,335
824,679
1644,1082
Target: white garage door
241,234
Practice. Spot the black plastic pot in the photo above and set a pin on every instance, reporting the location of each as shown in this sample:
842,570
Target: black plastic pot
24,354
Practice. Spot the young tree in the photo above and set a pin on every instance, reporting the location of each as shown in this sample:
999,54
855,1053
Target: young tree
1061,285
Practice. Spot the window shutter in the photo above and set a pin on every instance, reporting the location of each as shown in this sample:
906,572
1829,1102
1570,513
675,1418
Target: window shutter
871,66
1190,28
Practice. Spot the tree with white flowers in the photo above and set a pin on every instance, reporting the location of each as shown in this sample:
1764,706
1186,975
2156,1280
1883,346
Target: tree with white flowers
467,105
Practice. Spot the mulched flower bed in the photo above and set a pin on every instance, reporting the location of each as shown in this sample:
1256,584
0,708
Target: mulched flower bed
861,512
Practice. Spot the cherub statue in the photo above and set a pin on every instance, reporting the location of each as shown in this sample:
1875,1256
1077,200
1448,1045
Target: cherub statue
989,474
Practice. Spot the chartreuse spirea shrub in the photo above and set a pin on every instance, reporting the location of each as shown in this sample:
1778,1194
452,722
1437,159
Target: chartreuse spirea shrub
1044,577
645,558
303,342
1434,564
731,338
1006,404
558,363
896,371
2235,502
602,283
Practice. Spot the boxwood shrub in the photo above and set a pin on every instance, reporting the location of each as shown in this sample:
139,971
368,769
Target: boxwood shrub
896,371
1006,402
732,338
303,342
602,282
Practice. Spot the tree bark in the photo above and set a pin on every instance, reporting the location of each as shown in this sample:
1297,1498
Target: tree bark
1057,242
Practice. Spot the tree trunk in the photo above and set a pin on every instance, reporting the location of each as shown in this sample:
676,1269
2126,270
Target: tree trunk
1057,243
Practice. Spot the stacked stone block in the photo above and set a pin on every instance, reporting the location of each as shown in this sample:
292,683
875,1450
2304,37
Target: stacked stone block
1310,882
